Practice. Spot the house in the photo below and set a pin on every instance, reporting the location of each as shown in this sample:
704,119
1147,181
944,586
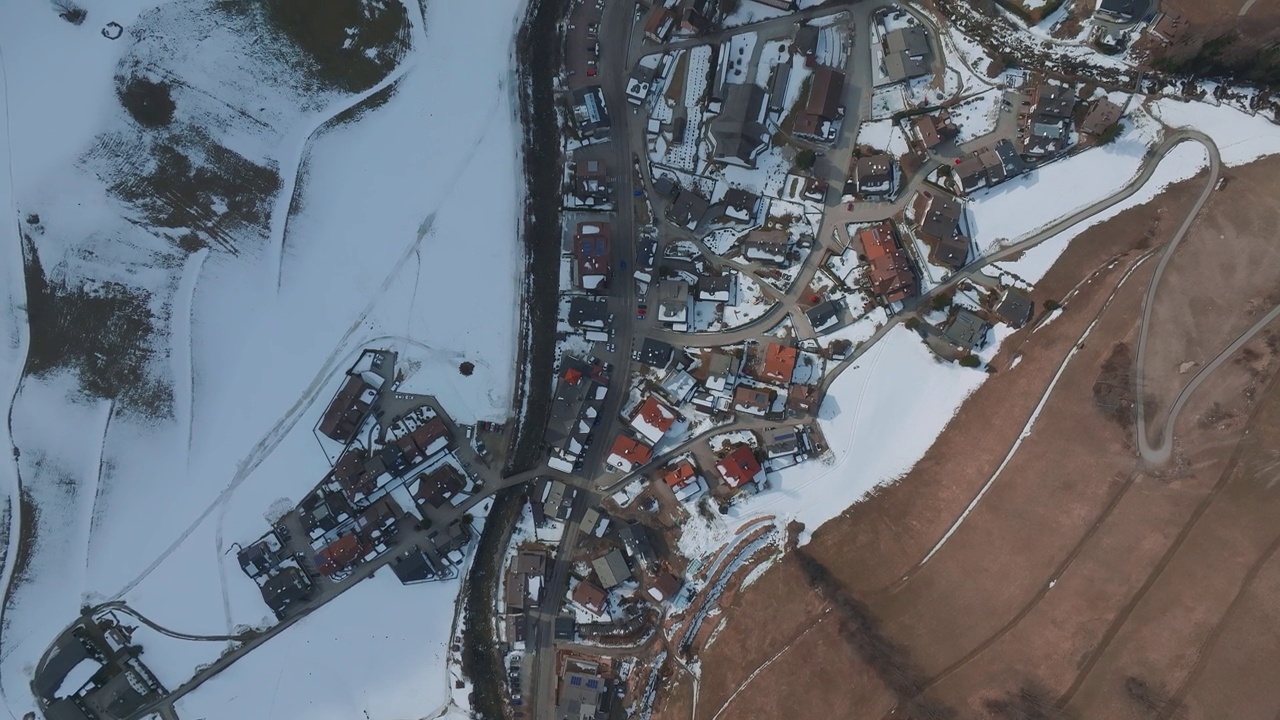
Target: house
351,474
779,363
740,467
824,316
652,419
781,441
740,205
906,53
694,21
802,400
1015,307
582,696
875,174
779,78
754,400
688,209
970,174
628,453
639,547
1048,126
665,587
678,386
1169,27
673,301
412,566
588,313
341,420
659,25
612,569
891,275
721,370
591,255
679,474
1120,11
823,104
966,330
993,165
591,184
655,353
1102,115
738,132
590,596
932,130
937,220
439,486
426,440
716,288
806,42
339,554
289,587
770,246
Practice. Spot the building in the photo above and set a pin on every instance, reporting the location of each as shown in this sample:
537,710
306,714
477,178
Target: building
591,114
932,130
628,453
1169,27
439,486
823,104
806,42
937,221
1047,128
754,400
1015,307
655,353
1049,101
411,566
740,467
891,274
966,330
659,25
740,205
716,288
688,209
875,175
1120,11
287,589
738,132
583,696
802,400
1102,115
769,246
591,185
590,596
780,441
824,316
906,53
664,587
673,301
652,419
341,420
779,363
588,313
612,569
591,255
635,538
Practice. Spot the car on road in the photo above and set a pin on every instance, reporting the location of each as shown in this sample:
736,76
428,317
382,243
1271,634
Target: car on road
849,206
593,29
624,264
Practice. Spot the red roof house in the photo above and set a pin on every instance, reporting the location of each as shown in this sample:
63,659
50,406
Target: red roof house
739,466
779,363
627,453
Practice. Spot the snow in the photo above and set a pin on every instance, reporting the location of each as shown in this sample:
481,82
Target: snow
78,676
998,215
1240,138
749,12
884,135
1181,163
376,638
401,214
863,401
977,116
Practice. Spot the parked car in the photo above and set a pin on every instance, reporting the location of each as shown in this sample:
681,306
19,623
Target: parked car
611,347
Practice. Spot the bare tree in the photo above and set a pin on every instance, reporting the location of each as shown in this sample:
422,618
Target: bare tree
68,10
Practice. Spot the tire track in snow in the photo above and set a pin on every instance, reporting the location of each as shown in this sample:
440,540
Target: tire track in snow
97,485
273,438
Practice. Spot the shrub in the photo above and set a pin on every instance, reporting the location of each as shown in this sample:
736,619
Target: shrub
970,361
148,102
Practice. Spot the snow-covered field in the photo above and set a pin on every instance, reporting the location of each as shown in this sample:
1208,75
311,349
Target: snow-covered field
404,215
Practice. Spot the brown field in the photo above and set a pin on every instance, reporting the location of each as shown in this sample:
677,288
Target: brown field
1193,319
1211,18
1083,585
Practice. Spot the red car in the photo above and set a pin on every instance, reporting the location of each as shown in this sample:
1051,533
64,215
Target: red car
591,72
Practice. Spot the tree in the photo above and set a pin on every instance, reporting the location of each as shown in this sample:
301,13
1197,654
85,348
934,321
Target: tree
805,159
1050,305
1110,134
941,302
729,7
69,11
913,323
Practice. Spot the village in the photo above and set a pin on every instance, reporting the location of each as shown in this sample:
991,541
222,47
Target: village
748,204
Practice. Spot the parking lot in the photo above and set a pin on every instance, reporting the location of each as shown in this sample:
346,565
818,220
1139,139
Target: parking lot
582,49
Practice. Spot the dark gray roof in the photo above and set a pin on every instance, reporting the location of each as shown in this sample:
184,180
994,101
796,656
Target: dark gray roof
911,40
950,251
1015,307
821,315
738,130
411,566
1118,8
656,353
587,312
966,330
59,665
612,569
806,40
